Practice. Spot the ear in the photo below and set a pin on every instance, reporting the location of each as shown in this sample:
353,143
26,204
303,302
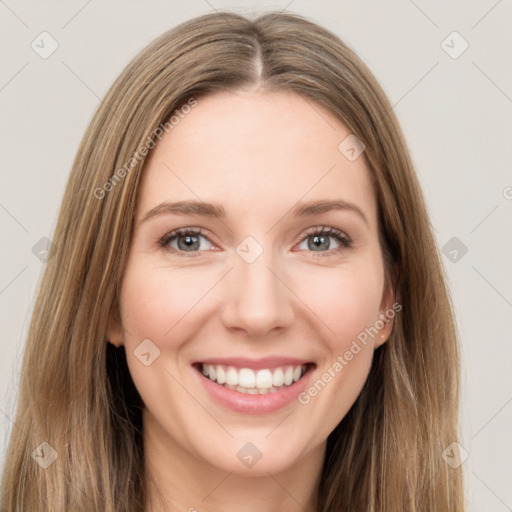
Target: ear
388,309
115,326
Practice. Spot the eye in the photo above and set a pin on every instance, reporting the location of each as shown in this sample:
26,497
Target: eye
318,240
188,242
185,240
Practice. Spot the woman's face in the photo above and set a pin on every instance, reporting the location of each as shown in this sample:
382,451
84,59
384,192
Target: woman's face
285,281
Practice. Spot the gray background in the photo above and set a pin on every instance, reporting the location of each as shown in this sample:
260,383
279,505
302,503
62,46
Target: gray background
455,113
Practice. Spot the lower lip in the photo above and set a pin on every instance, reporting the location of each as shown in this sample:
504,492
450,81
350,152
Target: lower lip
254,404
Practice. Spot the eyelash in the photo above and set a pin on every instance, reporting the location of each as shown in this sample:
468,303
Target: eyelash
343,239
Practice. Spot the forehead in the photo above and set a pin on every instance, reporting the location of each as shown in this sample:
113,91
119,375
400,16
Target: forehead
255,152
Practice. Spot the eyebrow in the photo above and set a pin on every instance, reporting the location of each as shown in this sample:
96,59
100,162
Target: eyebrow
216,210
317,207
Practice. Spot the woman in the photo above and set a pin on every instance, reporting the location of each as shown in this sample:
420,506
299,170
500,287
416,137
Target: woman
244,306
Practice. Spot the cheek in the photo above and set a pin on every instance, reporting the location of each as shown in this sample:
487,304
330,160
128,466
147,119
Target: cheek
153,304
346,299
154,301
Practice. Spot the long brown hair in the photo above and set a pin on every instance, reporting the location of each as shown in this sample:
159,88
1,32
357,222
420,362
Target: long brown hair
76,393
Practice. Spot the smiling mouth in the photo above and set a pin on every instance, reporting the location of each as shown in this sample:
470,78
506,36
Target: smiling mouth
254,382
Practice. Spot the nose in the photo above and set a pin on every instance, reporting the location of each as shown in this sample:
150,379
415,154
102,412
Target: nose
257,300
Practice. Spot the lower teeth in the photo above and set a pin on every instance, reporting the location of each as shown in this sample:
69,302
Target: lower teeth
254,391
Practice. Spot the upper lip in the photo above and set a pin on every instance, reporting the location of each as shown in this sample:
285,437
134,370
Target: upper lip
255,364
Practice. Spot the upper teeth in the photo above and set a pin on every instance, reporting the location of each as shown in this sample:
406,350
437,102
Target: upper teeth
248,378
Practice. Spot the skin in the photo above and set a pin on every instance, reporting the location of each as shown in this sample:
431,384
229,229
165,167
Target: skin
257,154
